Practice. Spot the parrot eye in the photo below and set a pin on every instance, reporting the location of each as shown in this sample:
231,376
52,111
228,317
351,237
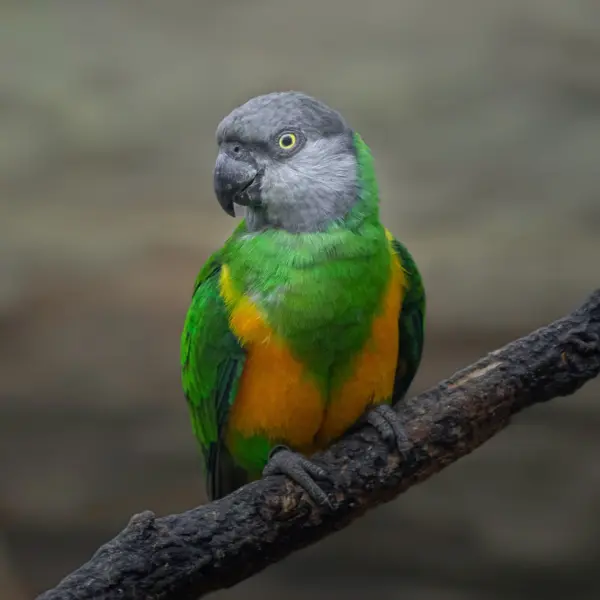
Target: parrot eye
287,141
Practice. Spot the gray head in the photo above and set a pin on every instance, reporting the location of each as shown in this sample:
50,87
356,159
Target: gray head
289,159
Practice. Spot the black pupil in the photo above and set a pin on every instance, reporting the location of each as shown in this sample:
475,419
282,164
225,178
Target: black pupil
287,141
236,149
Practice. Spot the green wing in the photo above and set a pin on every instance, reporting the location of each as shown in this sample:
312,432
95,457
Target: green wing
411,324
212,361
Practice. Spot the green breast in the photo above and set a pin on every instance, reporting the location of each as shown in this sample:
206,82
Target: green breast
318,291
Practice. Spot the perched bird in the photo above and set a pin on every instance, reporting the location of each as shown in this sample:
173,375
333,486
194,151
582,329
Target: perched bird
311,315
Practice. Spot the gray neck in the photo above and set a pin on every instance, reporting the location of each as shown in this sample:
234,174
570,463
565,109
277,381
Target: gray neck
256,219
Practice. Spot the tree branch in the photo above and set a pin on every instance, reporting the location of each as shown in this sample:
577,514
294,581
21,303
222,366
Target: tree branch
217,545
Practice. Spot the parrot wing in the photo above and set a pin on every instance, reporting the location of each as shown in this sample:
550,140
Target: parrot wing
212,361
410,324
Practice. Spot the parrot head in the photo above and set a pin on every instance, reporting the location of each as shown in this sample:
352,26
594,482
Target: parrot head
289,159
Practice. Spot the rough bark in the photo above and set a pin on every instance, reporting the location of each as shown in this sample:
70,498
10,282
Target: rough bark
217,545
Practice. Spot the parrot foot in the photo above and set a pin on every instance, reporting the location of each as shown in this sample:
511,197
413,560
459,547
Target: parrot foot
389,426
283,461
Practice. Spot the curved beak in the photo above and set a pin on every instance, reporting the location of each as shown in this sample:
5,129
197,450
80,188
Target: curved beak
235,182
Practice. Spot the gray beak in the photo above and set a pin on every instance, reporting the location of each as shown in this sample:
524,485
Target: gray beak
236,182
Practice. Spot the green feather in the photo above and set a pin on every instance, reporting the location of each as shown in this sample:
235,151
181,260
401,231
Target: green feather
212,361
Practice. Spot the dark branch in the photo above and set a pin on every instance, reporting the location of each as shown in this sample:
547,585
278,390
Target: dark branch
217,545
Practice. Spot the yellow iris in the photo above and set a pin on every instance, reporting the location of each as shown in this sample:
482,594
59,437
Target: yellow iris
287,141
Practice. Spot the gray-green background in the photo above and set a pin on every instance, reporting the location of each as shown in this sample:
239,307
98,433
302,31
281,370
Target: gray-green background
484,118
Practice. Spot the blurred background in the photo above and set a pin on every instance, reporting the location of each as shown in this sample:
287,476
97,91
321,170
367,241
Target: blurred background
484,119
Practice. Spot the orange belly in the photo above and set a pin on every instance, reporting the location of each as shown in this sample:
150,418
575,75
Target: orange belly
277,398
374,369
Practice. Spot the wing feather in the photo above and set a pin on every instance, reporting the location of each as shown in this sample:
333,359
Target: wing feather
212,361
411,324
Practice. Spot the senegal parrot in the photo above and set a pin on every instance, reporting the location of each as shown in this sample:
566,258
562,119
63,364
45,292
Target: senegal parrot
310,318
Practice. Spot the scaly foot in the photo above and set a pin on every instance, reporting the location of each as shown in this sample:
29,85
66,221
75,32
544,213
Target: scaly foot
283,461
389,426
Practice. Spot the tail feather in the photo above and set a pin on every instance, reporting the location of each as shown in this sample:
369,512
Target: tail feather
223,475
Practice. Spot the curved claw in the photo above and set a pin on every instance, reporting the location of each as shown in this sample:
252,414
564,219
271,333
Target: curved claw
389,426
283,461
